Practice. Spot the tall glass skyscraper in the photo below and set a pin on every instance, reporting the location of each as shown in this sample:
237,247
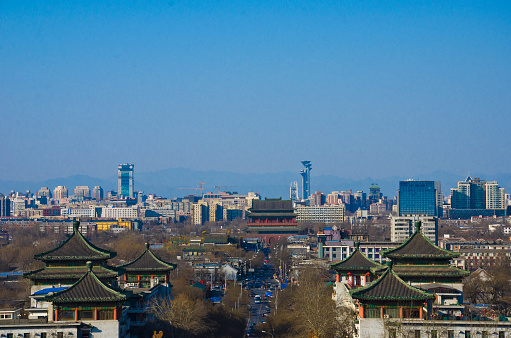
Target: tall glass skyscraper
125,181
418,198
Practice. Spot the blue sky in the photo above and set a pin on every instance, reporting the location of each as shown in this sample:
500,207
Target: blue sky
360,88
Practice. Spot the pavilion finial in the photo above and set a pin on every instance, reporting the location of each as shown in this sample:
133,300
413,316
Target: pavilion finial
76,225
147,246
417,226
89,265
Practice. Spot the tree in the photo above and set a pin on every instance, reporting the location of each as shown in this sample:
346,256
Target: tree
185,317
313,304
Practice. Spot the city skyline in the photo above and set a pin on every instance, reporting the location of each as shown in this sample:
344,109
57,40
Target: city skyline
360,89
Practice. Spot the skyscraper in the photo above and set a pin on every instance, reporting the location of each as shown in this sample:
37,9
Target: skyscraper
418,198
306,179
125,181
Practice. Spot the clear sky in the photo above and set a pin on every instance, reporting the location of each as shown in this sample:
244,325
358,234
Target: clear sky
360,88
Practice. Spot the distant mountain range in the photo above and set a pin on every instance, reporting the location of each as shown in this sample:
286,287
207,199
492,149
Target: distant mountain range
166,182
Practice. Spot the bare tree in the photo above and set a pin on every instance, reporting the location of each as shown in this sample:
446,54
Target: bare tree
184,316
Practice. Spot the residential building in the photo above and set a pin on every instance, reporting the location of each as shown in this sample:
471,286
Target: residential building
342,249
495,196
402,227
328,214
82,192
60,193
317,199
125,181
97,193
5,206
44,192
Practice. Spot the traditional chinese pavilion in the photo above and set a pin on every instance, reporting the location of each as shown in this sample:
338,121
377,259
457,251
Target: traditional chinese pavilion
419,261
147,270
390,297
356,269
66,264
88,299
271,219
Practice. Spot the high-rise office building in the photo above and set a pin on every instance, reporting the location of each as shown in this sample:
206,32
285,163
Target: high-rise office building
477,194
418,198
125,181
97,193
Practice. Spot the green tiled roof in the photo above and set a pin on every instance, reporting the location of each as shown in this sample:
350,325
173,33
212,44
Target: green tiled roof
356,261
148,261
61,273
76,247
89,289
426,271
390,287
419,246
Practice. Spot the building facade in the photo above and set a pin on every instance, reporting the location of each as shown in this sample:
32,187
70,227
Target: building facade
402,227
125,181
327,214
419,198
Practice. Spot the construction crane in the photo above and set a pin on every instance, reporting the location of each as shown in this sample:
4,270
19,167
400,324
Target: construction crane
223,186
197,188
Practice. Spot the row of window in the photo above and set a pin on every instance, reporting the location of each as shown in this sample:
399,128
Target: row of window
450,334
41,335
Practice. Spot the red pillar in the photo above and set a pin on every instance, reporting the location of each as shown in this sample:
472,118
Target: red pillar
361,311
95,313
76,314
421,312
382,312
138,280
56,315
337,278
401,312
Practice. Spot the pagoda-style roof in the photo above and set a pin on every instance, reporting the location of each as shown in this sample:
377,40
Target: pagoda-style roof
273,229
147,261
89,289
390,287
272,206
76,247
271,214
66,273
423,271
418,246
356,261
